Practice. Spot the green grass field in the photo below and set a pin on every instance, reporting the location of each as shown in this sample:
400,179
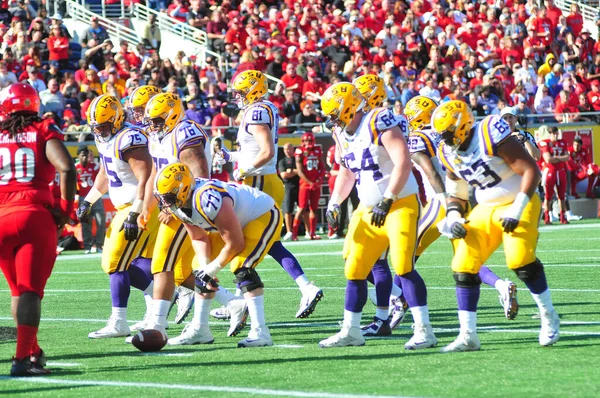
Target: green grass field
511,363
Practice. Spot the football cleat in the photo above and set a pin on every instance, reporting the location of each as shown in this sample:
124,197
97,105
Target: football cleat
399,310
287,236
309,301
185,302
348,336
464,342
141,325
550,330
238,310
114,328
221,313
508,300
315,237
193,334
423,337
38,358
334,236
572,217
163,328
25,368
378,327
259,337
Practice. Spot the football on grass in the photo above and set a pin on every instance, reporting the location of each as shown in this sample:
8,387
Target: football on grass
149,340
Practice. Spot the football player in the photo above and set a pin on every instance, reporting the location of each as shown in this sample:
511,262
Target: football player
87,170
309,163
31,149
582,168
257,161
505,178
555,155
525,138
228,223
175,140
125,171
375,154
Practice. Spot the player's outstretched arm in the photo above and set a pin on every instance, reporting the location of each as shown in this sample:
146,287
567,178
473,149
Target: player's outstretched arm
394,143
59,157
194,158
436,180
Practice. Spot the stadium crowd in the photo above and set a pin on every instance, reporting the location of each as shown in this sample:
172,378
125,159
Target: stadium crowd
493,54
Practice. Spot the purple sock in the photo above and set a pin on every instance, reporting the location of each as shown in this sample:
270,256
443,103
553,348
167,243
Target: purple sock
139,273
467,298
398,282
383,282
370,277
286,260
119,289
539,284
488,277
414,289
356,295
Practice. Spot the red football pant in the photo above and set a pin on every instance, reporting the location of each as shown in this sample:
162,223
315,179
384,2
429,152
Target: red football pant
582,174
558,180
309,198
27,249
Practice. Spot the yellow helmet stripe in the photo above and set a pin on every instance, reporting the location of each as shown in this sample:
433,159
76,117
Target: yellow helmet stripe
428,143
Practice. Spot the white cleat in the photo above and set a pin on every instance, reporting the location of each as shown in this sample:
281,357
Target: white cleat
334,236
163,328
193,334
347,337
572,217
257,338
508,300
221,313
185,302
423,337
287,236
398,308
550,331
114,328
238,310
464,342
141,325
309,301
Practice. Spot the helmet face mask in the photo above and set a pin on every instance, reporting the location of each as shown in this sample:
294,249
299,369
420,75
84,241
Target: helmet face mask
163,113
157,127
103,132
239,100
173,187
137,113
105,117
138,101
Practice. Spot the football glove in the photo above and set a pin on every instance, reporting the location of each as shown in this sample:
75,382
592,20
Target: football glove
204,283
453,228
380,212
333,215
84,210
130,226
223,156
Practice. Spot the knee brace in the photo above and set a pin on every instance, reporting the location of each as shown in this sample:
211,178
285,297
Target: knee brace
530,272
467,280
247,280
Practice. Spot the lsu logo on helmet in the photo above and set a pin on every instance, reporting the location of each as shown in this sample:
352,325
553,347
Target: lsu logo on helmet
340,102
248,87
173,186
418,111
453,121
163,112
372,89
106,117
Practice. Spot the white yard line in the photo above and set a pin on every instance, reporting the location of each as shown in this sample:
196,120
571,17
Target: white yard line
187,387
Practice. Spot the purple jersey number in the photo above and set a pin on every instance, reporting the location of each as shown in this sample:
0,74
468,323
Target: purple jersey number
113,178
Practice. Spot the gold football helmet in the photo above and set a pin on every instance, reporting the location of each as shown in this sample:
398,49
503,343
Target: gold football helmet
418,111
138,100
453,120
162,114
340,103
372,89
248,87
173,186
106,117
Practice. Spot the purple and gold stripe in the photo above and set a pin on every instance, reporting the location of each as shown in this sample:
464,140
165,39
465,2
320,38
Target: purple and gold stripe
375,132
271,229
428,143
442,157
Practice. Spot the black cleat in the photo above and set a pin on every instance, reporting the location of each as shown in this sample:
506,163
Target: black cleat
378,327
26,368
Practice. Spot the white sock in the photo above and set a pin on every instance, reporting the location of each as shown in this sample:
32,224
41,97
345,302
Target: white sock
468,321
302,281
382,314
256,310
201,310
396,290
420,315
500,285
352,319
224,296
238,292
543,301
119,313
160,310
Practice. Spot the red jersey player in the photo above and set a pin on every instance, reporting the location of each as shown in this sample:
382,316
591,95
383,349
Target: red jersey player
554,160
87,170
31,149
309,163
582,167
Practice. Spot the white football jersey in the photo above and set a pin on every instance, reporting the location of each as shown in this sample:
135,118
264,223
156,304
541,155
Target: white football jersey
494,181
364,155
207,199
261,112
185,135
122,186
427,142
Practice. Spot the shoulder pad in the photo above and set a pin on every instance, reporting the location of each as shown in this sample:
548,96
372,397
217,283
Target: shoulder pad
188,134
208,200
49,130
419,141
259,114
493,131
128,139
382,119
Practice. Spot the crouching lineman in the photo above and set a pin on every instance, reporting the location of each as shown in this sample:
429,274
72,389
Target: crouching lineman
227,223
505,179
126,168
375,154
